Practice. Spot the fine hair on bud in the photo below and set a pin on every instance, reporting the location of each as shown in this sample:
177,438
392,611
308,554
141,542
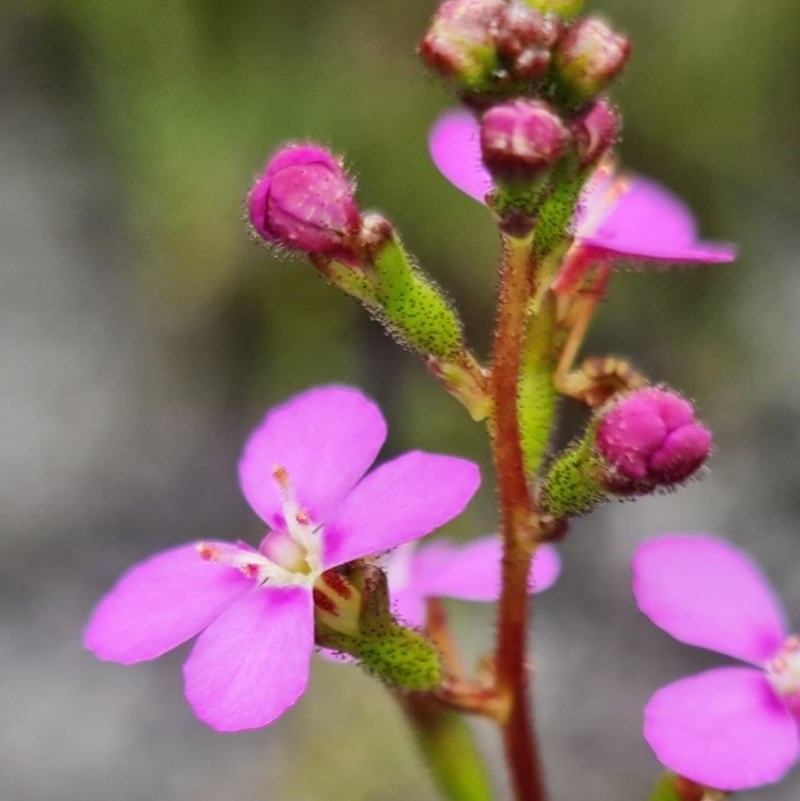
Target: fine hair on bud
521,139
589,56
304,201
650,439
460,44
595,132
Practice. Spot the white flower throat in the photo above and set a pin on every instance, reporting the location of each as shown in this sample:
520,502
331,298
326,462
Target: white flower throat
783,673
293,558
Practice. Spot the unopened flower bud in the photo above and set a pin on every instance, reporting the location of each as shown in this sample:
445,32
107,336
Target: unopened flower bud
459,44
525,38
521,139
595,132
304,201
589,56
651,438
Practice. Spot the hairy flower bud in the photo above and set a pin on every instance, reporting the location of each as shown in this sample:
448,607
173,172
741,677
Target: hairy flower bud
521,139
304,201
589,56
595,132
459,44
525,38
651,438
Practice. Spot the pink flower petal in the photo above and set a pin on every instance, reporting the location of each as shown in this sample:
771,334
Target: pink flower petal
326,439
430,557
647,222
399,567
724,728
704,591
454,143
335,656
252,663
161,603
409,606
400,501
545,569
408,566
472,573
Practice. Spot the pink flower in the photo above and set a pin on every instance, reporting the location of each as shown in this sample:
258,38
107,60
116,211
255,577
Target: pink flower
729,728
630,218
469,572
302,471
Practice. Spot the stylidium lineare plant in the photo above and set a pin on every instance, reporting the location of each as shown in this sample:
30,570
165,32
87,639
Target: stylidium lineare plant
343,567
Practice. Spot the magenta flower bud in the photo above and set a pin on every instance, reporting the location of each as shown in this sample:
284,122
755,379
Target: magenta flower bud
460,43
595,132
590,55
650,438
521,139
525,38
304,201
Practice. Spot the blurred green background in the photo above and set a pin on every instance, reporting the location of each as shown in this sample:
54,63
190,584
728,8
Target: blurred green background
142,333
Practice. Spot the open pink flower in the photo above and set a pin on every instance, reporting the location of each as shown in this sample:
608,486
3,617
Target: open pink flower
302,471
730,728
627,218
469,572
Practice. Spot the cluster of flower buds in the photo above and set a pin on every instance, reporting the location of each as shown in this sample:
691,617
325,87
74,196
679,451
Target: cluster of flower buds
638,443
535,78
494,49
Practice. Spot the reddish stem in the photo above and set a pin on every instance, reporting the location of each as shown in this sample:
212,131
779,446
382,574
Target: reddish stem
516,516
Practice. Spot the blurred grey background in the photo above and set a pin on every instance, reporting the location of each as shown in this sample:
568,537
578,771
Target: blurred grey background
142,334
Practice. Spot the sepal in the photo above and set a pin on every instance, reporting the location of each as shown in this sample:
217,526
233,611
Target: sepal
398,656
571,486
562,8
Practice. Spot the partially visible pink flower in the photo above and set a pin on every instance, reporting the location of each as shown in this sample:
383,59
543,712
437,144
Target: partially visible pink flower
624,218
730,728
469,572
302,472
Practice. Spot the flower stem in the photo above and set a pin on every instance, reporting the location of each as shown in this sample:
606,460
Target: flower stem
516,519
449,747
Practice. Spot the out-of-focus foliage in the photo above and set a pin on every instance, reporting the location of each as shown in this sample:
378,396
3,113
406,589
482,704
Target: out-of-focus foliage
190,96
